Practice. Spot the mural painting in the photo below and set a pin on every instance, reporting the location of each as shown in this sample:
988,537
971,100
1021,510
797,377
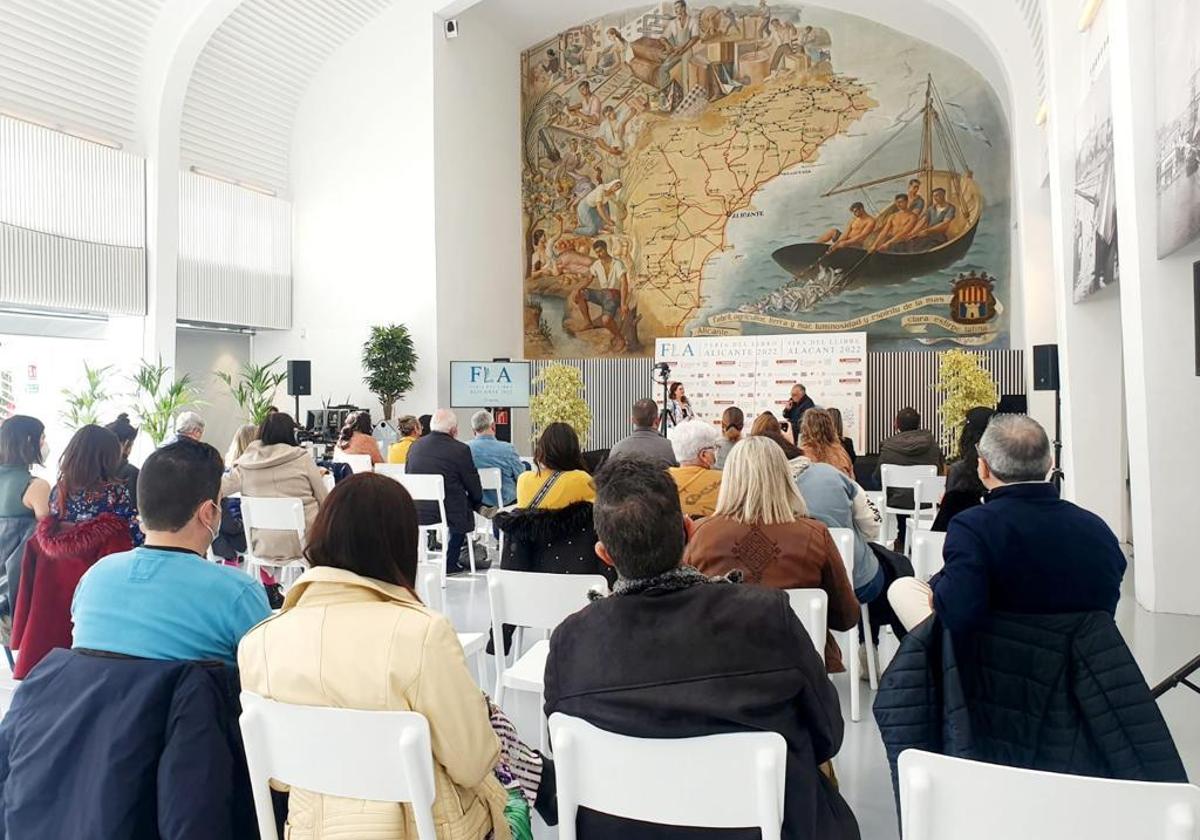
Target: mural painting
752,169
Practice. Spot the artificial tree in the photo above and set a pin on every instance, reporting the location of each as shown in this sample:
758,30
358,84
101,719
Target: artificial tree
83,406
560,400
158,397
389,359
964,384
254,387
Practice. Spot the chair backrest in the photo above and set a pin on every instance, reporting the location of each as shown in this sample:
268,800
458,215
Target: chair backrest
843,538
491,479
530,464
424,488
267,514
358,463
943,798
429,585
927,553
537,599
378,756
811,606
733,780
894,477
390,470
928,492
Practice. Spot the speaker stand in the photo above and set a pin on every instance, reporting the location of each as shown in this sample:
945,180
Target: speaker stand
296,416
1056,475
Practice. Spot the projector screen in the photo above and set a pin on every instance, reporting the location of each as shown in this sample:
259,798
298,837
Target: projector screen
476,384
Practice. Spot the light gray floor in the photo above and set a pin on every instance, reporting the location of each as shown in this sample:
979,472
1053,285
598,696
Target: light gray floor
1161,643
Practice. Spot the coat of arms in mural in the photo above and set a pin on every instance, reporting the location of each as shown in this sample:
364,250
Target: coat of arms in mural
756,168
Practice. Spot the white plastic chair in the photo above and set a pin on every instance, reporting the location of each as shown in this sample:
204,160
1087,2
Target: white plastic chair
734,780
377,756
390,470
473,644
811,606
491,479
263,514
944,798
358,463
539,601
843,538
927,554
893,477
429,488
927,499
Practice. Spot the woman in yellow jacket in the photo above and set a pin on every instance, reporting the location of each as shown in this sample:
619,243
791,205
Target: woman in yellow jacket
352,634
561,479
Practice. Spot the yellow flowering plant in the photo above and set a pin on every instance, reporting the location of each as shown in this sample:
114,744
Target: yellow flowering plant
964,384
559,399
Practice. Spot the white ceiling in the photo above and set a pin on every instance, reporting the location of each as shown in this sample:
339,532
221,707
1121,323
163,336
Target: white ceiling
247,84
76,64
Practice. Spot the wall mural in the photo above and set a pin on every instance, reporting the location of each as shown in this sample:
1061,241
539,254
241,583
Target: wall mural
755,169
1177,52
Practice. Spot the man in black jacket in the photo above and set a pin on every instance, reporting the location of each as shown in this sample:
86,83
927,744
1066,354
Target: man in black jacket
673,654
798,402
439,453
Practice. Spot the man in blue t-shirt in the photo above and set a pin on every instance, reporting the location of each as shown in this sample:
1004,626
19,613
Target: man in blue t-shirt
165,599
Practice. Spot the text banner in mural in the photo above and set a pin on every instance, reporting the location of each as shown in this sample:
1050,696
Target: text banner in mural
756,374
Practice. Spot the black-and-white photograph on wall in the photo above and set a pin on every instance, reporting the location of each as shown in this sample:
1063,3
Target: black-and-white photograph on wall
1095,227
1177,86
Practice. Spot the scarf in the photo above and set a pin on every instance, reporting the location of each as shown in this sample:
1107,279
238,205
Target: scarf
679,578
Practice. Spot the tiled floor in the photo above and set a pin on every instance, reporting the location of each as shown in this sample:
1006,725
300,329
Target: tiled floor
1161,644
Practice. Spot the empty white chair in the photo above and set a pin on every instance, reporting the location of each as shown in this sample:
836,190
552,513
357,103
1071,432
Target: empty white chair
378,756
259,513
539,601
927,554
490,479
893,477
811,606
734,780
430,488
944,798
473,644
358,463
927,499
843,538
390,470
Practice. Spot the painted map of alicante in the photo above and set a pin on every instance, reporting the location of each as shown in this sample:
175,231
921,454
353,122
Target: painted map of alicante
753,169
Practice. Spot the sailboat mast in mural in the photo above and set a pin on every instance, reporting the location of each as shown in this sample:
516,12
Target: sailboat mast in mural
929,226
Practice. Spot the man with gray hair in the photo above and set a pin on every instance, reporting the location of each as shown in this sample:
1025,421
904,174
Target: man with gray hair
439,453
490,453
695,443
188,426
1024,551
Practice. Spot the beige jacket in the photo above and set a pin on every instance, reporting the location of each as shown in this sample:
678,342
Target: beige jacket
351,642
274,472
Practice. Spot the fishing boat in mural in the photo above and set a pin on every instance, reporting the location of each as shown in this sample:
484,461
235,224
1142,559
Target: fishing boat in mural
899,249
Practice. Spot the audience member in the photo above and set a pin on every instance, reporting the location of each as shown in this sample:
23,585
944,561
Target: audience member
695,444
23,501
762,528
732,423
189,424
165,599
242,438
87,481
672,654
488,453
274,467
409,428
1025,551
425,420
766,426
798,402
645,442
963,488
353,634
442,454
911,446
847,442
560,478
127,435
356,438
821,442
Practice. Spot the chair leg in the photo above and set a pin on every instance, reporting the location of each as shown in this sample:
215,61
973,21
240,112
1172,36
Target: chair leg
855,678
545,724
872,667
471,551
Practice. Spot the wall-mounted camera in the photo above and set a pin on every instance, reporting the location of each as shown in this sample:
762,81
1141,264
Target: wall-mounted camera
451,28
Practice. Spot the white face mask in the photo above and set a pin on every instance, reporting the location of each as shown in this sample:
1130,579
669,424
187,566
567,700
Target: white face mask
45,452
216,529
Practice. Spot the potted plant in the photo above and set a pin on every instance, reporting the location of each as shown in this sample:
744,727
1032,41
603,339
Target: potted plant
389,359
253,388
560,400
964,384
158,397
83,406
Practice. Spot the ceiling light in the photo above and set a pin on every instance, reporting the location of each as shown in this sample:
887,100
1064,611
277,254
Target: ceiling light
1090,9
78,134
1043,113
246,185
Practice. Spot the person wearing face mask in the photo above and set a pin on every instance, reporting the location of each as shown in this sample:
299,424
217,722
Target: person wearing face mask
164,600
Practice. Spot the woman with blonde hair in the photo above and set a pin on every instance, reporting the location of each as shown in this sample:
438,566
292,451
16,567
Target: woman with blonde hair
762,528
821,443
242,439
847,443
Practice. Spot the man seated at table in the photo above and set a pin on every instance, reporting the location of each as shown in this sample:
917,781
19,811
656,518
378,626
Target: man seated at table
1024,550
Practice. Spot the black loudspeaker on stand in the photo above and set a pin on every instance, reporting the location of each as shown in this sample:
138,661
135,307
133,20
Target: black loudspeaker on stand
299,382
1045,378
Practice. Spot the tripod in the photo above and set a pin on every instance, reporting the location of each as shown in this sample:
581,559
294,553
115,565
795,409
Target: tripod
1180,677
1057,475
665,417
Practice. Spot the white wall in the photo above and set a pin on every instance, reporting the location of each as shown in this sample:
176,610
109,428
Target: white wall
363,211
199,354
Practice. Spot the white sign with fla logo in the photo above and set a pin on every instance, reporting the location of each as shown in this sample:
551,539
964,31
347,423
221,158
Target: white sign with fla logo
482,384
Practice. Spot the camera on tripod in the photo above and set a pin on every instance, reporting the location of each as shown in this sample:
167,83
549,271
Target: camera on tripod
662,372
